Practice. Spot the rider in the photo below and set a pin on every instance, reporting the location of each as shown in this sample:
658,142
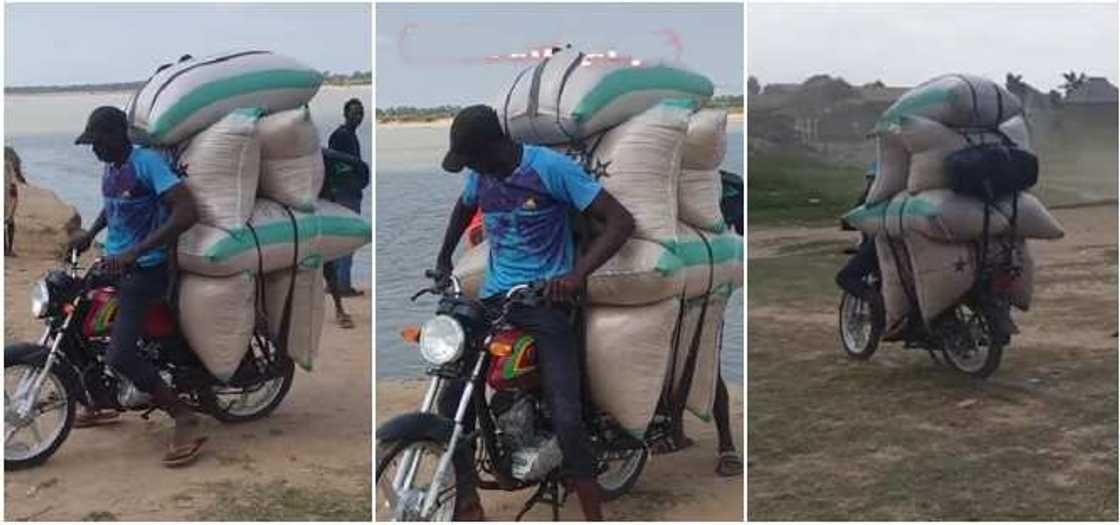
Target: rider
866,259
525,193
145,210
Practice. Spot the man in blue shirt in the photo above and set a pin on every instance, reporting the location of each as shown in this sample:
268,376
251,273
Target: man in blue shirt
345,139
145,210
525,194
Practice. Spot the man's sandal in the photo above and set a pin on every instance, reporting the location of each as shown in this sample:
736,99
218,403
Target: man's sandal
185,455
729,464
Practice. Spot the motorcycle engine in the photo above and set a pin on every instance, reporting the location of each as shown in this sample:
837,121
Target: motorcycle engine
535,451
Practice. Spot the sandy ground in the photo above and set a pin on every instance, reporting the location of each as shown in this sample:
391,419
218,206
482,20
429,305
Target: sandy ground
675,487
309,460
901,438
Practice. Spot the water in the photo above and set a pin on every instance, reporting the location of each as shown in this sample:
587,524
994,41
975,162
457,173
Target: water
414,201
42,129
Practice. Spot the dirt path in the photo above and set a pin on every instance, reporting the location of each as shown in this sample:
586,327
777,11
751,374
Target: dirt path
309,460
901,438
677,487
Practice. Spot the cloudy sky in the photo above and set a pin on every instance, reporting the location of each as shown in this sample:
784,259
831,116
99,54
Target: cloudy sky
54,44
906,44
431,54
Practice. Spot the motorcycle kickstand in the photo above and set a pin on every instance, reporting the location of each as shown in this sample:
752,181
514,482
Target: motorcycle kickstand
547,493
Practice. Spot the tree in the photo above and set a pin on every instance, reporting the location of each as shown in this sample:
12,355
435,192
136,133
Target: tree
1016,85
1073,82
753,87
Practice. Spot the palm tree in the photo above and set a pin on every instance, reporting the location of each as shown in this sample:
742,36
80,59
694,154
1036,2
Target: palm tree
1073,81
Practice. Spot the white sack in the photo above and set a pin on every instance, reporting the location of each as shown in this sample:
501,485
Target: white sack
306,324
702,391
896,302
216,315
705,143
292,169
699,195
930,144
714,267
893,167
956,101
222,166
943,273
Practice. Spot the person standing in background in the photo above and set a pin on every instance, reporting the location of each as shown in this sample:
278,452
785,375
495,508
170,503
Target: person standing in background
13,177
345,140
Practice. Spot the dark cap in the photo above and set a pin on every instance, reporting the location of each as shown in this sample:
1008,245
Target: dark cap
105,120
473,129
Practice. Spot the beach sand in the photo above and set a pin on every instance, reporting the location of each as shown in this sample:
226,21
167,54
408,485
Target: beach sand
677,487
309,460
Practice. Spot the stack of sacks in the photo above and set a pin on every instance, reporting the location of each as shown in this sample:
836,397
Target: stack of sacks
926,234
635,300
250,155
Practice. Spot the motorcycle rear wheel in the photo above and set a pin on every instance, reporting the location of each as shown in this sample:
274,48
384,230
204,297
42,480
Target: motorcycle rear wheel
616,482
54,397
968,343
397,504
240,405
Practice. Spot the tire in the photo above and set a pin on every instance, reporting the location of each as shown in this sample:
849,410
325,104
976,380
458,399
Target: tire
224,412
53,380
612,489
978,333
390,451
854,344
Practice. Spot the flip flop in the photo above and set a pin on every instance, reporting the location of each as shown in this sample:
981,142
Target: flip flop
96,418
669,445
729,464
178,457
345,321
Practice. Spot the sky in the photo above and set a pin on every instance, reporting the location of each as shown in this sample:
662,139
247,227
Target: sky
905,45
55,44
430,54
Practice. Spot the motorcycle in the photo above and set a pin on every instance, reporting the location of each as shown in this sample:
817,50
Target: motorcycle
516,448
44,380
969,337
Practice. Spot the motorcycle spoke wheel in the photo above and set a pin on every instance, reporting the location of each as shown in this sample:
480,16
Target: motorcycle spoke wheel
967,344
404,477
44,426
859,329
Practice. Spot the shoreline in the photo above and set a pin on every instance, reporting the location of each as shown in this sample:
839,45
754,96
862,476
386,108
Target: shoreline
36,92
446,122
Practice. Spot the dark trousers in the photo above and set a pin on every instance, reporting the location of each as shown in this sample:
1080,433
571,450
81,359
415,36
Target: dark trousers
562,383
345,265
137,291
865,261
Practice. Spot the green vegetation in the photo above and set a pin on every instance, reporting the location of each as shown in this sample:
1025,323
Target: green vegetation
732,103
277,501
342,79
415,114
789,187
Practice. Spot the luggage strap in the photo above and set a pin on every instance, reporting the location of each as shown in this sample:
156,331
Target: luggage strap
910,298
286,320
678,399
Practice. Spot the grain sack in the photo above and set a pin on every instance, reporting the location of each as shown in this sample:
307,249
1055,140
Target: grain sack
1034,221
306,323
222,167
642,272
189,96
330,232
955,101
216,315
698,199
943,273
894,271
946,216
705,377
711,265
705,143
892,165
636,341
292,168
560,99
644,165
929,144
1018,131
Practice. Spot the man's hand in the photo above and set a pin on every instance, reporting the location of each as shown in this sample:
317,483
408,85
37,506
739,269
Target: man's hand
567,288
443,273
118,264
81,242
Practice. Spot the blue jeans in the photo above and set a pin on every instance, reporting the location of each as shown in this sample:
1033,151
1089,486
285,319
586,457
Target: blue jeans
352,202
137,292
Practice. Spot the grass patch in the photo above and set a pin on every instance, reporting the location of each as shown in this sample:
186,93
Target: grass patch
788,188
803,280
277,501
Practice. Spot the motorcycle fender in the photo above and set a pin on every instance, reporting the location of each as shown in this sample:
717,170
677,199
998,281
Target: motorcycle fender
417,426
33,354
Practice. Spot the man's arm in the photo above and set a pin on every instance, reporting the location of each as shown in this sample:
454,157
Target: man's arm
460,219
82,242
618,227
184,214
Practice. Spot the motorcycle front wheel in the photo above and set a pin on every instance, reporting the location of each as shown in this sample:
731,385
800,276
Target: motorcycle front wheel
32,437
968,343
861,326
405,471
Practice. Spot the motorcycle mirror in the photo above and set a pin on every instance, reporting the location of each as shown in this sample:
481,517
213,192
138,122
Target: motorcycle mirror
411,334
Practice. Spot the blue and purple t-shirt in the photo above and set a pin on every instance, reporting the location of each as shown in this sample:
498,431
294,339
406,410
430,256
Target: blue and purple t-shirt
526,217
133,209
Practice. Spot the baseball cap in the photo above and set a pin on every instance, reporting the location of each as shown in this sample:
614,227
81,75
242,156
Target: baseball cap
105,120
473,129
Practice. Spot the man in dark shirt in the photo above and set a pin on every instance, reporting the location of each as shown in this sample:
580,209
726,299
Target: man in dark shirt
345,139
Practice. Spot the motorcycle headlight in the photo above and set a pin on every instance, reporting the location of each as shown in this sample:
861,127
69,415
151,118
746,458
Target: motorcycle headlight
40,299
441,340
